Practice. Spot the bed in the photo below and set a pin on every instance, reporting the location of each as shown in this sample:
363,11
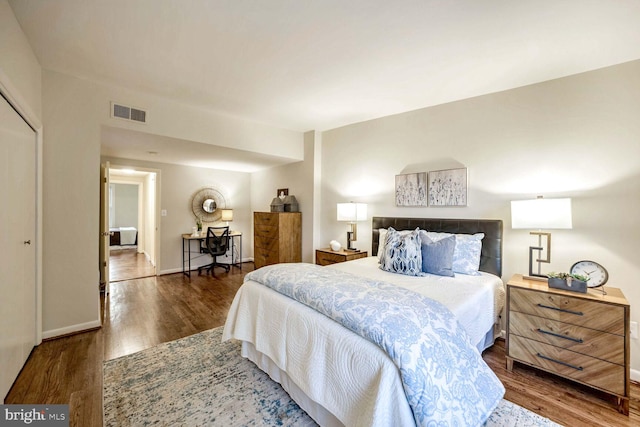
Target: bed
123,236
340,377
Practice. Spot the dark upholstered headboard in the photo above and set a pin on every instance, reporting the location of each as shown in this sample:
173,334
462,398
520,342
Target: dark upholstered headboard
491,257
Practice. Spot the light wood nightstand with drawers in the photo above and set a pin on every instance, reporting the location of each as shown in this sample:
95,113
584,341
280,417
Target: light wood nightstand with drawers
328,257
582,337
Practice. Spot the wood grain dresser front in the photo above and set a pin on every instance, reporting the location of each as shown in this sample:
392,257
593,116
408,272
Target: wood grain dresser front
583,337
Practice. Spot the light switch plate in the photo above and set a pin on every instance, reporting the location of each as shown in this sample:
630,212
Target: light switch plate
634,330
163,212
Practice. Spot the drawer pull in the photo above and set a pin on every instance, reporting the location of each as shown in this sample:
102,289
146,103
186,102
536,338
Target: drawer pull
577,368
578,340
577,313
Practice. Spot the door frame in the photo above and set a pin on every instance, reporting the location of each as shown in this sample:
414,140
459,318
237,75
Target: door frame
157,203
103,252
13,96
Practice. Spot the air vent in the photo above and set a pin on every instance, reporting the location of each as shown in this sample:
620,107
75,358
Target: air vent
128,113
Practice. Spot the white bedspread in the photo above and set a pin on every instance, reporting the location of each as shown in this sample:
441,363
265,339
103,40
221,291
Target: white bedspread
475,300
336,369
128,235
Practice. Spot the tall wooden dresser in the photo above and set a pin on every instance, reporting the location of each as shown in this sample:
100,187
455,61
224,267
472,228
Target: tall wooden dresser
583,337
277,237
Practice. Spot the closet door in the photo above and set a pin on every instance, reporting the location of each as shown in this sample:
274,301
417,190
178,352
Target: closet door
17,244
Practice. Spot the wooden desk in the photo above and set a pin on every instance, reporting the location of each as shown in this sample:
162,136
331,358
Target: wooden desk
187,257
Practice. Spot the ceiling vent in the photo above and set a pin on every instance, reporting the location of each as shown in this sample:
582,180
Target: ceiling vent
120,111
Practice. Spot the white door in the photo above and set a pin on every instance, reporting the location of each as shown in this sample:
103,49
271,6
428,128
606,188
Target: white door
105,235
17,244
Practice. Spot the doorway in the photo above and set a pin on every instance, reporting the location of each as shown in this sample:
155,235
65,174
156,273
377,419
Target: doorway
132,223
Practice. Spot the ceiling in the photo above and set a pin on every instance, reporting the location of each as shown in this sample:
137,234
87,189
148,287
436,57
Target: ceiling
322,64
129,144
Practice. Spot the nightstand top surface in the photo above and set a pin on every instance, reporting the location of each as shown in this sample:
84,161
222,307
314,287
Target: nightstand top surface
341,251
613,296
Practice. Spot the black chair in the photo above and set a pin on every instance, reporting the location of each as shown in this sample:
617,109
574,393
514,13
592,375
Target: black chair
216,244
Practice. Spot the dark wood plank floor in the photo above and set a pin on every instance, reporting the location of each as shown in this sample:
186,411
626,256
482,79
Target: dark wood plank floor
126,264
141,313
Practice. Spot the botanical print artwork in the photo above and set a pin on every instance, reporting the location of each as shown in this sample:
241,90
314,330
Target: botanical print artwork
411,189
448,187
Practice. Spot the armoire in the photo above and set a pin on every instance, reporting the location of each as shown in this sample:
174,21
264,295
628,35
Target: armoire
277,237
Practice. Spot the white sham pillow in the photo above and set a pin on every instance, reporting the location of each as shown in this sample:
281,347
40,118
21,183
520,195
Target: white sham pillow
466,255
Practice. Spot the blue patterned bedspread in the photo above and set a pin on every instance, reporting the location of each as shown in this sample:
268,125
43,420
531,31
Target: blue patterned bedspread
444,377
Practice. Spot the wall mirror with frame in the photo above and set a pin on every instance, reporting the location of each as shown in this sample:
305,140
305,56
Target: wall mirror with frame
207,204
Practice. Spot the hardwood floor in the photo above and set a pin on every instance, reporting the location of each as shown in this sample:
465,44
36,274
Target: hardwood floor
560,400
125,263
141,313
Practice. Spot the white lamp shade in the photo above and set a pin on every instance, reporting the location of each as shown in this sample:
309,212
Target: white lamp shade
227,215
352,212
542,214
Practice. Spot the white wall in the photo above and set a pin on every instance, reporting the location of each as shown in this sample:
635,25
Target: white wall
21,84
74,111
575,137
299,179
18,62
150,217
177,184
125,205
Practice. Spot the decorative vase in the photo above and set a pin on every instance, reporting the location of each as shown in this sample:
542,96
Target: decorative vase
335,245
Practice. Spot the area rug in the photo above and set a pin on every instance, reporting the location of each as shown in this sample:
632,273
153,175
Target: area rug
199,381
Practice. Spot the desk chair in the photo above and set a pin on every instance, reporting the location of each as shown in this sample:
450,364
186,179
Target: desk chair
216,244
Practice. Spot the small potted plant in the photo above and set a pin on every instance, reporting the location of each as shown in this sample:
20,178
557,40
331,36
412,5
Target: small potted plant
568,282
199,224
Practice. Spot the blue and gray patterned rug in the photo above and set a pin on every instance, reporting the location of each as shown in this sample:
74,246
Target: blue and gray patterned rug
198,381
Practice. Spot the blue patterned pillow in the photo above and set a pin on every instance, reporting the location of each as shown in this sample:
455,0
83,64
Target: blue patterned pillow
402,253
382,233
437,257
466,256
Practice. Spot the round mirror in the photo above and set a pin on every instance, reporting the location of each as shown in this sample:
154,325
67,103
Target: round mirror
209,205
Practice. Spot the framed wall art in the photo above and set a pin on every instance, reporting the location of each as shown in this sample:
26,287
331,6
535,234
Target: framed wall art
411,189
448,187
282,193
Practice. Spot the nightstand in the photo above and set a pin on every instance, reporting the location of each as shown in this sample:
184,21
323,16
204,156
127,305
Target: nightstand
327,256
582,337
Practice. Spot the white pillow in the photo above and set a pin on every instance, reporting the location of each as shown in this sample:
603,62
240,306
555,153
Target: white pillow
382,236
466,255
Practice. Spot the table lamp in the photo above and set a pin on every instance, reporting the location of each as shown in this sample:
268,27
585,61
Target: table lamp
227,215
540,214
352,212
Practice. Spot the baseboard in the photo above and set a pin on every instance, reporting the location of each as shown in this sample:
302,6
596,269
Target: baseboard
73,329
193,268
148,258
171,271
